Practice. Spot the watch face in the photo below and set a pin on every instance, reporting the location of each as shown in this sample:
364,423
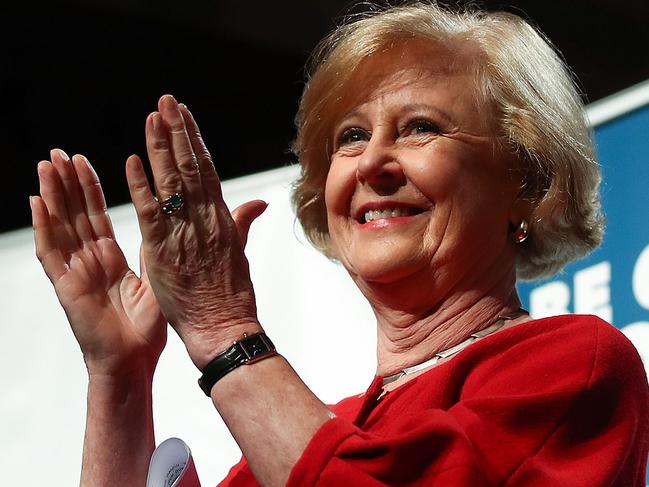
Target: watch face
256,345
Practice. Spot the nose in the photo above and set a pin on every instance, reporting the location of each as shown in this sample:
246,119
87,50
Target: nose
379,166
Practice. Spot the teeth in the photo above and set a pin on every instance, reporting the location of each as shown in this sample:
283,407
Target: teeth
371,215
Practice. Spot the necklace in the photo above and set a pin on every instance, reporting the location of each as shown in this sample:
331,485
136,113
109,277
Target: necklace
500,322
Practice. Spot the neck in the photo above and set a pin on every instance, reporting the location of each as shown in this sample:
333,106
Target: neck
412,327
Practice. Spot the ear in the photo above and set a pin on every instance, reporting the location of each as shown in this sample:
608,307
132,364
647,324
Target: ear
520,210
521,205
520,216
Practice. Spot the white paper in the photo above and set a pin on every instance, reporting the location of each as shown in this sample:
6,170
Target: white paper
172,466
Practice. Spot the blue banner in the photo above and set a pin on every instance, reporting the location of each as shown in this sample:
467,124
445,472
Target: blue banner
612,282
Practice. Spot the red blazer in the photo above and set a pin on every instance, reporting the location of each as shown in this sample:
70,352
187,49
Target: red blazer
560,401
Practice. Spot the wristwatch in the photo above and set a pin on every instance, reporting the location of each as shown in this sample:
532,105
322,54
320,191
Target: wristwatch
250,349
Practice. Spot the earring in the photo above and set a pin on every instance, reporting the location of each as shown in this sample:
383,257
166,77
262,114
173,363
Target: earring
522,232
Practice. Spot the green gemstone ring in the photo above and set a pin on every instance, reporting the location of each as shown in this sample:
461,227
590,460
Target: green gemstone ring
172,204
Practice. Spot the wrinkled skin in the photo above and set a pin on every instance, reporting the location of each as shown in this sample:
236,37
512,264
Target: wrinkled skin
195,257
113,313
197,276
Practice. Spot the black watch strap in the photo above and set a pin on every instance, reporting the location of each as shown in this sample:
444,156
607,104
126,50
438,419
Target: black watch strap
249,349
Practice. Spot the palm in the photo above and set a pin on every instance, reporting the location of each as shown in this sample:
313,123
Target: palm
113,313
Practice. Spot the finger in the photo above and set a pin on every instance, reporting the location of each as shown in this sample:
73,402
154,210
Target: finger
244,215
93,198
165,174
149,215
181,148
72,194
47,249
143,273
51,190
209,177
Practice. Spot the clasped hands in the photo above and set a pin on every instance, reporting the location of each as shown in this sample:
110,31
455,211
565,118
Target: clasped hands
194,273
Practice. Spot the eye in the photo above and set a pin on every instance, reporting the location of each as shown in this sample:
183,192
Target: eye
421,126
352,135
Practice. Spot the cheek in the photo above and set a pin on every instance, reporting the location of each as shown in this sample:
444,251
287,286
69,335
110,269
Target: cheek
339,187
481,209
436,174
469,189
456,172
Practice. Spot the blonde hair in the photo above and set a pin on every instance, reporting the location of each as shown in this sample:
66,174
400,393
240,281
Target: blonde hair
537,110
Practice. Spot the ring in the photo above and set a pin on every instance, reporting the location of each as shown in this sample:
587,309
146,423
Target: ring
172,204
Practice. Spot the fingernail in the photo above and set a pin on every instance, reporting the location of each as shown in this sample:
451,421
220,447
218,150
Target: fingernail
170,100
61,154
31,204
88,165
134,161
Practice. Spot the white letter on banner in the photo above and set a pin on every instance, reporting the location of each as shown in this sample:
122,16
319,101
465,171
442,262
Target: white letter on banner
638,333
593,292
640,281
550,300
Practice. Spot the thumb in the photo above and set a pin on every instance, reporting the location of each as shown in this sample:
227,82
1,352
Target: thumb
244,215
143,274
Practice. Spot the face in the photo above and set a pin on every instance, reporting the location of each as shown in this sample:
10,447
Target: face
416,185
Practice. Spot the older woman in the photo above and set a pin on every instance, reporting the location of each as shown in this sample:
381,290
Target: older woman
442,155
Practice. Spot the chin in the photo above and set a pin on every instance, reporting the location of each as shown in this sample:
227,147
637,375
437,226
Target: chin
382,267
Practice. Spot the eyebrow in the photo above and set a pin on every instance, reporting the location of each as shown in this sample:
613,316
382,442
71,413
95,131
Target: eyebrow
410,107
348,115
421,107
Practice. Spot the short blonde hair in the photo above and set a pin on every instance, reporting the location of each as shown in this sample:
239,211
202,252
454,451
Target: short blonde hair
537,110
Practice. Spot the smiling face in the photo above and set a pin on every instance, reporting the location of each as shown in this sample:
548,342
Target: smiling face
416,185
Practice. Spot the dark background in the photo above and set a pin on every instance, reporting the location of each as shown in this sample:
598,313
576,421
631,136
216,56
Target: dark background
83,75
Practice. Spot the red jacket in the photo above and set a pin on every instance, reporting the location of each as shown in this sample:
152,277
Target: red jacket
560,401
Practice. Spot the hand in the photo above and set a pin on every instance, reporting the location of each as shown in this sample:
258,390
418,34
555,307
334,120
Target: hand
195,257
113,313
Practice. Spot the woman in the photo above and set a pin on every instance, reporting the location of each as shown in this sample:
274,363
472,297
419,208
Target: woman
442,155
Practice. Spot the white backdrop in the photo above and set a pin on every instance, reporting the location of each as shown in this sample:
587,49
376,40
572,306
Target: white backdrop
308,305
